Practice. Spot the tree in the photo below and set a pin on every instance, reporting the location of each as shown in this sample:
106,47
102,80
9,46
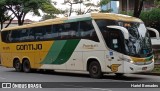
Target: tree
71,3
157,3
104,2
20,8
50,11
89,6
138,5
47,16
4,16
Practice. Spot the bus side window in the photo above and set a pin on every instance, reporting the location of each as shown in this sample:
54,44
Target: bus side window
5,36
14,36
72,30
38,33
24,35
65,31
50,32
31,34
60,30
115,40
87,31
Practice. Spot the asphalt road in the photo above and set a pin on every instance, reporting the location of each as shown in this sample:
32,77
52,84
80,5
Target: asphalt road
9,75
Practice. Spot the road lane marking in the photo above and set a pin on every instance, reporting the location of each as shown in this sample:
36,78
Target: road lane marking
101,89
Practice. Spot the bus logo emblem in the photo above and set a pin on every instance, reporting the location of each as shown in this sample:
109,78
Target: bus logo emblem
114,67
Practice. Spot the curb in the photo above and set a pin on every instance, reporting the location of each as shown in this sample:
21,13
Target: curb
156,74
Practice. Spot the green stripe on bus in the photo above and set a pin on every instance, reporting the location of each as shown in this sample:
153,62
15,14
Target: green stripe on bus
149,58
54,51
78,19
60,51
66,52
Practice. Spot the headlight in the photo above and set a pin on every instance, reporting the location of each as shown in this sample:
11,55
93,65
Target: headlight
130,61
126,59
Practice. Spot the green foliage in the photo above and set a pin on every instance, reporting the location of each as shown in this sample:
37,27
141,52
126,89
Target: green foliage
156,69
151,18
45,17
106,11
21,7
104,2
157,3
4,16
48,8
130,13
145,16
154,15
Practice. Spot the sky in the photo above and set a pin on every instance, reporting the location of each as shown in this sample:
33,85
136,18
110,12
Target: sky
59,5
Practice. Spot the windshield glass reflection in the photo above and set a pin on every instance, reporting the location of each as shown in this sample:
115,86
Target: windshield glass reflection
139,43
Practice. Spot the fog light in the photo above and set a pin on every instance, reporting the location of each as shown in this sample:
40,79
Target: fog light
131,68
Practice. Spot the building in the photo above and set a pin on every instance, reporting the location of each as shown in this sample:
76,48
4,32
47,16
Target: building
113,5
15,22
125,5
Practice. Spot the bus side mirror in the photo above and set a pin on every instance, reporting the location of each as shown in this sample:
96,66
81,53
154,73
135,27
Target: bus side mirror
123,30
155,31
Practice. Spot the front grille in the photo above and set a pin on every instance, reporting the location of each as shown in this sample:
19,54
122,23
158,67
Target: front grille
143,63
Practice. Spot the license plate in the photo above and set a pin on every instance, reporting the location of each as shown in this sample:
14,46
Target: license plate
144,68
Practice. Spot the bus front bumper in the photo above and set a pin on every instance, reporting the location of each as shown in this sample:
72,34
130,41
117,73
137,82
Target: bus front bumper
133,68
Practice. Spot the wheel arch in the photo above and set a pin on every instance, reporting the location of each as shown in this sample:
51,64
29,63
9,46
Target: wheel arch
91,60
14,60
25,58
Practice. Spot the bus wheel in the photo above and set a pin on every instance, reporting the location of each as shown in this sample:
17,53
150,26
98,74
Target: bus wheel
26,66
95,70
17,65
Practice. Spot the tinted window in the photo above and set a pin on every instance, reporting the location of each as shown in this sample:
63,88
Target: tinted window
87,31
24,35
115,41
68,30
5,36
51,32
14,36
73,30
113,37
102,24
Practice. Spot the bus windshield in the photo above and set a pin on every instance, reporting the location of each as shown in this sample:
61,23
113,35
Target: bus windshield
138,44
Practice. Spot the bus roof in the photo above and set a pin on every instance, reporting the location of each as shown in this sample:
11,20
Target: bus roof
111,16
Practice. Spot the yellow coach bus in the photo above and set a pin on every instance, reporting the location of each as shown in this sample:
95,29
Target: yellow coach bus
98,43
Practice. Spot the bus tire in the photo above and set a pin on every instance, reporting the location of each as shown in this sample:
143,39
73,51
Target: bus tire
17,65
95,70
26,66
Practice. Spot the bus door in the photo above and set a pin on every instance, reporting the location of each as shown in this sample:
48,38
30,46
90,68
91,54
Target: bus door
116,47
